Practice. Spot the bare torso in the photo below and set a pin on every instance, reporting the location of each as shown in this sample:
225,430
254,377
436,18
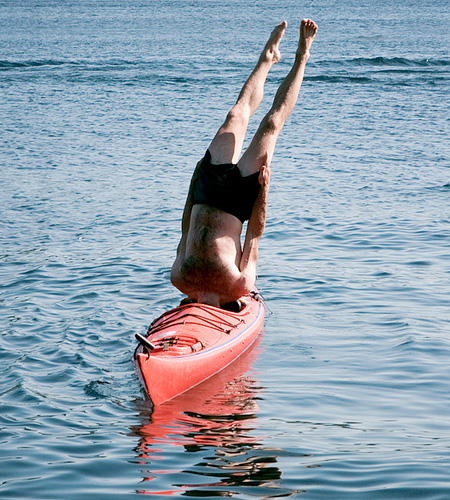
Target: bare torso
207,263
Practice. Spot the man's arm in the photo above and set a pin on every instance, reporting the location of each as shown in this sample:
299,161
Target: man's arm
255,228
185,221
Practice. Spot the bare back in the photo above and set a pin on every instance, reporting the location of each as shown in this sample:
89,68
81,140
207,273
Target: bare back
208,261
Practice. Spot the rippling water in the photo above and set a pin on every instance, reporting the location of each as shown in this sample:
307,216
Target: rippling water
106,107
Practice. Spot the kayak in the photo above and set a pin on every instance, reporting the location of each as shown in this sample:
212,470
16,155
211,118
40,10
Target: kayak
216,412
192,342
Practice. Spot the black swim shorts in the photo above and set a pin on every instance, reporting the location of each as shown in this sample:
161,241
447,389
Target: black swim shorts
223,187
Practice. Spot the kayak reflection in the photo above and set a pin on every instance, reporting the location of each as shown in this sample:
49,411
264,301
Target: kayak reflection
219,415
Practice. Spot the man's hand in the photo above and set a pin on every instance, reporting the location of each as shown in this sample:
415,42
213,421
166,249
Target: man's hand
264,173
264,177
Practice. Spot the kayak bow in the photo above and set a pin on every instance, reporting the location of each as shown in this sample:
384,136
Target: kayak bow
193,342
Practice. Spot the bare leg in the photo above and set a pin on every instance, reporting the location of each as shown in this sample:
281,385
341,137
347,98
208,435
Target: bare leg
266,136
227,144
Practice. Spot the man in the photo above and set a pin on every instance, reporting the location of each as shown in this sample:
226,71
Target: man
225,191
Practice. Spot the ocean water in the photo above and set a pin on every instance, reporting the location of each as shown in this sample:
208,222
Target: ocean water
106,106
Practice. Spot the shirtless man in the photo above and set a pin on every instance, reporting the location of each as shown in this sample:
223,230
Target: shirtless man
211,267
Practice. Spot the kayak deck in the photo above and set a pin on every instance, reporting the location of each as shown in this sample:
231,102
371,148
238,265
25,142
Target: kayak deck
192,342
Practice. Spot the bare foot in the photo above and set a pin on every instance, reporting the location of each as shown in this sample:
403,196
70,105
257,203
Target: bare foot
271,53
308,30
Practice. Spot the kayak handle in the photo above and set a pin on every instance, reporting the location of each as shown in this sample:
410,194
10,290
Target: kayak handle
144,341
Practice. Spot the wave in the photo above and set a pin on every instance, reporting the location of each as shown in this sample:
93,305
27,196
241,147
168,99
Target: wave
358,71
443,187
339,79
33,63
388,62
388,70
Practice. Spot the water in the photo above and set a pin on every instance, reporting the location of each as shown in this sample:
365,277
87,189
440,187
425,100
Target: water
106,107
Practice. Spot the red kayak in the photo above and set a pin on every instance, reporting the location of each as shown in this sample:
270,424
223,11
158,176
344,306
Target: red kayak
192,342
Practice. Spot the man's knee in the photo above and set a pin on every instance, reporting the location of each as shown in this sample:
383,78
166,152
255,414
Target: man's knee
238,114
272,123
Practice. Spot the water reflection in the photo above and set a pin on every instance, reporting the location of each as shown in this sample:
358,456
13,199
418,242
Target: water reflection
205,442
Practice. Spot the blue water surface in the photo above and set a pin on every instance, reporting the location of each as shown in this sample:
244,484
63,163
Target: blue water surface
106,107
